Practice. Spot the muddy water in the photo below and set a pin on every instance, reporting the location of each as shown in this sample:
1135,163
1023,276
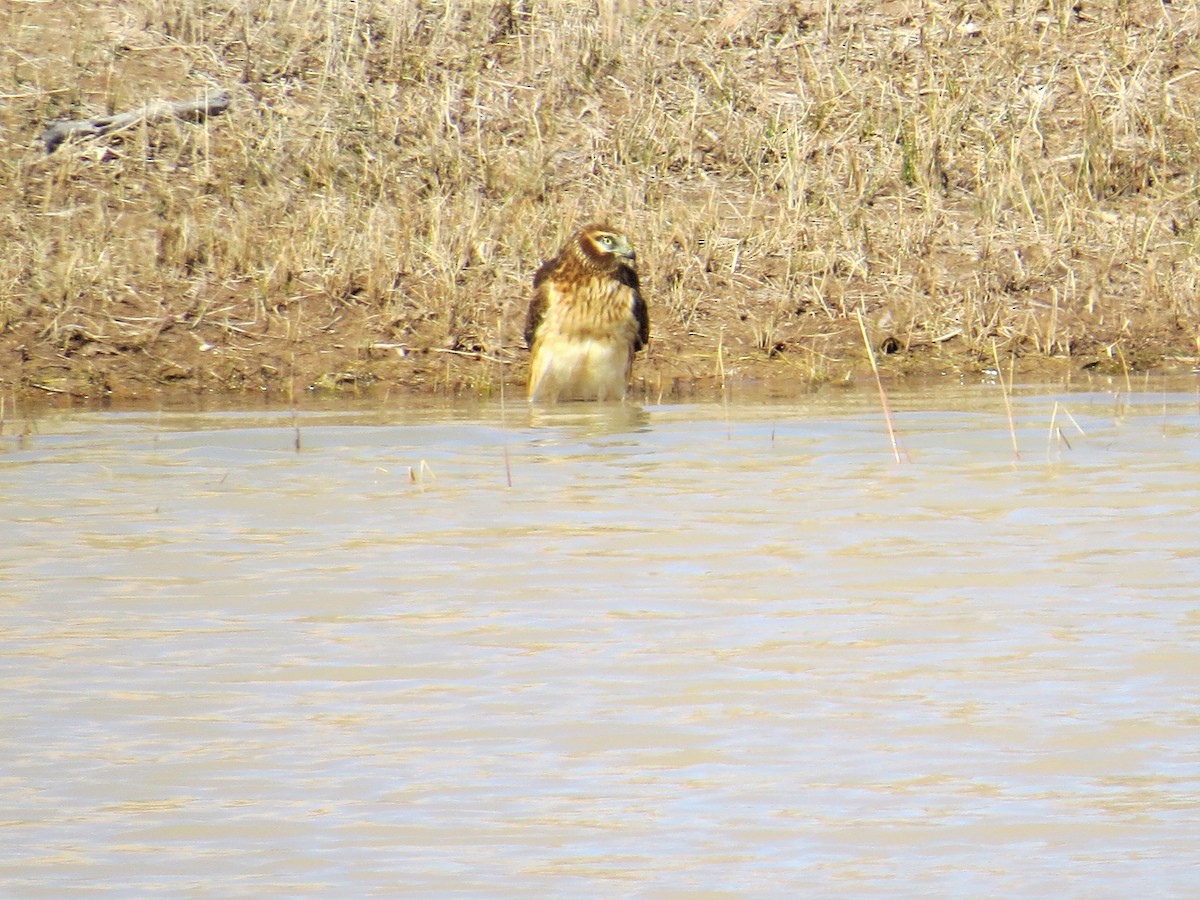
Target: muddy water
724,649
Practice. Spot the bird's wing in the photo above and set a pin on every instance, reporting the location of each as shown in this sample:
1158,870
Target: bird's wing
643,319
540,301
628,277
537,310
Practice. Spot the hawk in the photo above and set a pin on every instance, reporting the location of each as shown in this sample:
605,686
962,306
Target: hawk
586,320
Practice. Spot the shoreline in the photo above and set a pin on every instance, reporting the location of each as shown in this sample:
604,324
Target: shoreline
431,377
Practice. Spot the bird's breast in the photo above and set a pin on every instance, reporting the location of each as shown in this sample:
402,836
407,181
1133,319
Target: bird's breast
596,308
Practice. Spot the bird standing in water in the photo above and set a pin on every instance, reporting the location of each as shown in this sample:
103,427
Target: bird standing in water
586,320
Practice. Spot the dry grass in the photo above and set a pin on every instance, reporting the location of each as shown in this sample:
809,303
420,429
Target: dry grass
963,174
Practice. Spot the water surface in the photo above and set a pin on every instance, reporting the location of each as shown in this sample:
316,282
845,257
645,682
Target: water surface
733,649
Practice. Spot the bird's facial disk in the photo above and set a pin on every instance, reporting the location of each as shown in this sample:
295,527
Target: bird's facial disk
616,244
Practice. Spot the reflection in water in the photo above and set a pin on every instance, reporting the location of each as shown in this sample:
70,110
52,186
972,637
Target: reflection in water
692,648
589,418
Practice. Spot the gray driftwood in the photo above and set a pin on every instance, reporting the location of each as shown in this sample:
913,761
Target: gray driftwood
188,110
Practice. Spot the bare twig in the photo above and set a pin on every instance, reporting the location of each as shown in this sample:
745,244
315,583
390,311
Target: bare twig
1004,389
469,354
187,110
883,400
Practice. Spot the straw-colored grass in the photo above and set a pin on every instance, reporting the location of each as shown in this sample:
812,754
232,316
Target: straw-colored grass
965,175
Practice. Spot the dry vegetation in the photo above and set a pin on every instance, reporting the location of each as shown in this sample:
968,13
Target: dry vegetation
1018,175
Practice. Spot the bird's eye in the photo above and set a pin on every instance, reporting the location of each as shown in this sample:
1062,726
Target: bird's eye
606,240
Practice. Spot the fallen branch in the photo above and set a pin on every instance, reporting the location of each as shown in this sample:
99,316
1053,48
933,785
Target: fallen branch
187,110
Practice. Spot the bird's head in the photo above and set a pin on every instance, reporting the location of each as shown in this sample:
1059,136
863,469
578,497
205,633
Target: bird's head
605,248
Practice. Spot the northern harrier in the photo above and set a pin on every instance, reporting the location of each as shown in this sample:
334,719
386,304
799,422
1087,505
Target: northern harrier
586,320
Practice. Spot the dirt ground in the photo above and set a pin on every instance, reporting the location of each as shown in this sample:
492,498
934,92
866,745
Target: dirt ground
332,361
